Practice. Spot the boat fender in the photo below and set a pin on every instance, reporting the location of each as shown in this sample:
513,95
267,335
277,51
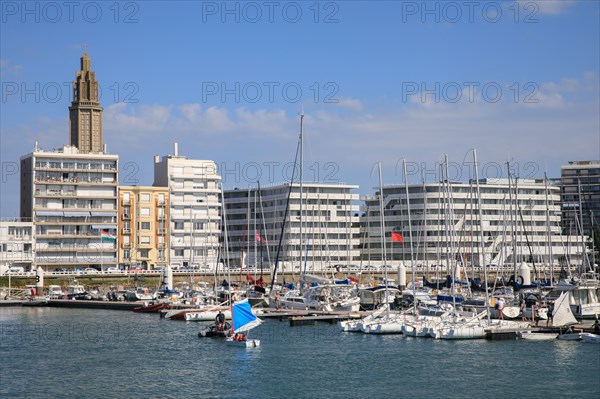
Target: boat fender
520,280
434,292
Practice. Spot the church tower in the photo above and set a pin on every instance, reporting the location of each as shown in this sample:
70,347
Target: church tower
85,112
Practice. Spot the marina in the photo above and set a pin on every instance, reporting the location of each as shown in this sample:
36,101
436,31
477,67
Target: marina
121,352
324,199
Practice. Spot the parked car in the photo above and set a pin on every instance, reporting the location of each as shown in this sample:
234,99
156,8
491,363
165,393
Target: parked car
15,270
113,270
90,270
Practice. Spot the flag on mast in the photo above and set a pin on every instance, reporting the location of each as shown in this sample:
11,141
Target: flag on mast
106,236
259,238
397,237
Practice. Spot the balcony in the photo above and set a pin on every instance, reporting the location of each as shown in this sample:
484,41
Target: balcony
126,216
126,202
160,217
162,232
126,245
126,231
160,203
161,245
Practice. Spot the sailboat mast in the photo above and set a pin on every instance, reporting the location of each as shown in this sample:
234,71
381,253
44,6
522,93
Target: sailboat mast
382,232
548,231
412,256
513,226
301,177
226,243
481,243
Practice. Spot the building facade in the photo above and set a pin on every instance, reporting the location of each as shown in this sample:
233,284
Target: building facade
16,244
72,199
143,226
446,227
580,196
328,225
194,209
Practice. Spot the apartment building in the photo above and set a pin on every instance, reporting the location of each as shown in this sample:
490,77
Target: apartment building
143,226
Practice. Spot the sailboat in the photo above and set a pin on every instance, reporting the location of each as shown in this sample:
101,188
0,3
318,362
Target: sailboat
562,316
385,324
243,320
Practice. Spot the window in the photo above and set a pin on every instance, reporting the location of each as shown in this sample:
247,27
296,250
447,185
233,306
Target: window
126,254
126,210
145,211
145,197
178,171
144,253
198,226
178,225
144,240
126,225
179,252
161,254
125,240
144,225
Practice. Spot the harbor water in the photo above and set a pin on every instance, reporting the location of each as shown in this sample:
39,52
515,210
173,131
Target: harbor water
52,353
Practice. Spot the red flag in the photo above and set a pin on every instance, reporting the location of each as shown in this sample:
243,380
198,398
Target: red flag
397,237
259,238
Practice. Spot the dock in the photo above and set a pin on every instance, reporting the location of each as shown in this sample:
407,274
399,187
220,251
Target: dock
308,317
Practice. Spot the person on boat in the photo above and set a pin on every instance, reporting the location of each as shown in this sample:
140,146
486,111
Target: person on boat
596,327
550,311
500,303
220,321
523,307
277,301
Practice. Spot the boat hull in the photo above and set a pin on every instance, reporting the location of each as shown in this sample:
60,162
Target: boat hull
591,338
249,343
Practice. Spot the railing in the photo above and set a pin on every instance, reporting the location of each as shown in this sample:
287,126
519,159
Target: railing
126,231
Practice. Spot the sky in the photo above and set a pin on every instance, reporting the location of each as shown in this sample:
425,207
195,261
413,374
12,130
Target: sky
378,81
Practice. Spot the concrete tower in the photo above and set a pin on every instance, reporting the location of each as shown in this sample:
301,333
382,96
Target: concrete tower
85,112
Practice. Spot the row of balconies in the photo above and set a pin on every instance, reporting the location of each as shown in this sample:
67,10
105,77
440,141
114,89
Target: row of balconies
127,245
73,181
75,169
127,216
160,232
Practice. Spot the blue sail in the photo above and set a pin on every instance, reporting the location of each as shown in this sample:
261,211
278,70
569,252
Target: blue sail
243,318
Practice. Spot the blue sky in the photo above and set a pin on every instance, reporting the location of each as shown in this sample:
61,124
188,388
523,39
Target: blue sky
515,80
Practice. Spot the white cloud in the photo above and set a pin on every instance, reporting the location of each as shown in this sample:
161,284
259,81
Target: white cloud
563,125
7,67
352,104
550,7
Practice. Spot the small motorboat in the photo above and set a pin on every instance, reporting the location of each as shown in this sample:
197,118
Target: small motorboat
214,331
589,337
151,308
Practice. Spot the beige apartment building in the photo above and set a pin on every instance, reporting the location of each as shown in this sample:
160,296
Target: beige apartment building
143,226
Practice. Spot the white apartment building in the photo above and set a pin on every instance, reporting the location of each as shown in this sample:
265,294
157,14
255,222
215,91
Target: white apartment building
194,208
16,244
330,226
71,198
445,224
